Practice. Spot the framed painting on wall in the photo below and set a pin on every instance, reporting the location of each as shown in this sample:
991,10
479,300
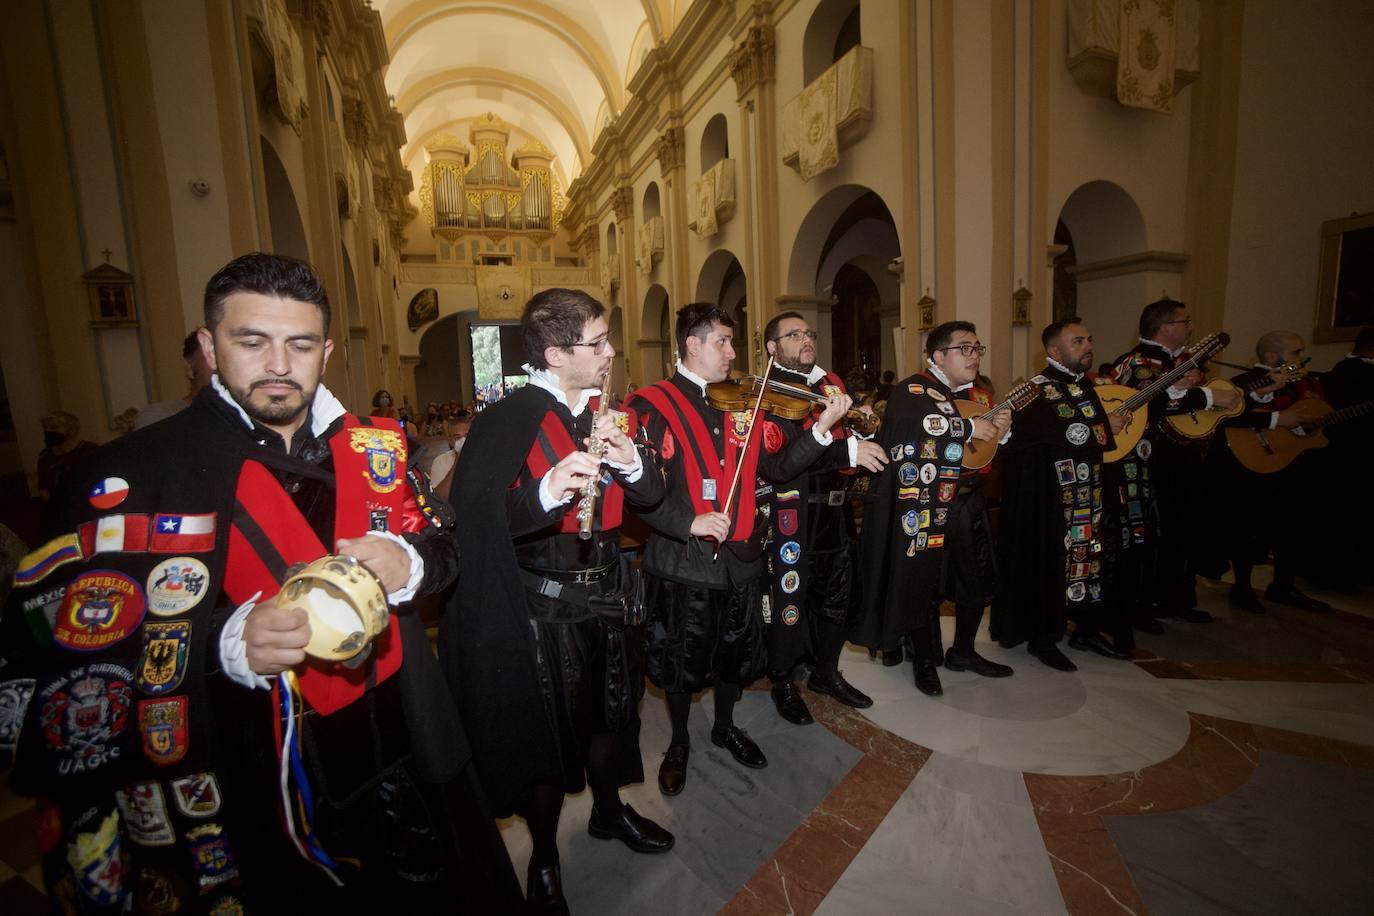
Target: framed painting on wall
1345,278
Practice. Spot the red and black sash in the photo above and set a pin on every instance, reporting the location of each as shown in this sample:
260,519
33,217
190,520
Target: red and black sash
684,420
270,534
553,443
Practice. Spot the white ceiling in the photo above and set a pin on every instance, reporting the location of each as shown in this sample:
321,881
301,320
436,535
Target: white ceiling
550,68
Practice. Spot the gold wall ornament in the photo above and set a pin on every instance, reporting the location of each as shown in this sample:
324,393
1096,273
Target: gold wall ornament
925,310
671,148
753,60
1021,305
111,294
623,201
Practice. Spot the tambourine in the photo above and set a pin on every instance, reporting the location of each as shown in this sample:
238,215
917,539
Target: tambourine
345,602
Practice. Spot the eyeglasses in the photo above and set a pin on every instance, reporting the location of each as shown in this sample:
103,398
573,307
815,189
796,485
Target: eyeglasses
601,346
798,336
968,349
1180,321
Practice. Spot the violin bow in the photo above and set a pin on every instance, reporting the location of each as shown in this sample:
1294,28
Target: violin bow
739,465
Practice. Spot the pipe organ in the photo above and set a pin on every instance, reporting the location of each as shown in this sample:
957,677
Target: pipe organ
484,203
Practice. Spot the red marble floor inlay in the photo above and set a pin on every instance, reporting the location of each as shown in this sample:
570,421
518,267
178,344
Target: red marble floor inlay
1353,673
804,869
1218,758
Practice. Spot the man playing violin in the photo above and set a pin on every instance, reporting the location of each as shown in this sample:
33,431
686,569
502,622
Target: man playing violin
810,554
1247,530
704,561
542,643
902,553
1162,472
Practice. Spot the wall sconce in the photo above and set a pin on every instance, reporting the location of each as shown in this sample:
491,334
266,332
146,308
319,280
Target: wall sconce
925,307
1020,305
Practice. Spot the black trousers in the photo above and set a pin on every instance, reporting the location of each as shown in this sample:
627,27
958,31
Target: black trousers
698,636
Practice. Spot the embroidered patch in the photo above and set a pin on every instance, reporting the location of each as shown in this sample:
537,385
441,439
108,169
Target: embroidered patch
1083,471
956,427
1074,390
946,491
165,647
791,581
1143,373
921,540
928,448
935,424
911,522
196,795
1077,433
1076,591
96,863
790,553
916,389
1063,470
164,728
14,702
1068,496
37,564
909,449
382,448
1051,393
909,493
935,395
946,408
911,548
924,521
927,473
1065,411
739,425
174,533
108,493
212,856
145,814
1100,434
954,451
949,473
907,474
787,496
790,615
84,716
1130,469
935,540
787,521
99,608
941,516
1087,409
228,905
158,893
895,453
176,585
1143,448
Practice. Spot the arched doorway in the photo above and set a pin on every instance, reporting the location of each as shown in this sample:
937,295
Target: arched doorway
355,352
1103,225
436,374
283,213
655,346
722,282
839,262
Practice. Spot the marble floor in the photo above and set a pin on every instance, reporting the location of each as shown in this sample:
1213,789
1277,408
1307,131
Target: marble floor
1228,769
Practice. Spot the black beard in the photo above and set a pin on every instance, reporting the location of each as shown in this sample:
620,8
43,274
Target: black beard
796,365
277,412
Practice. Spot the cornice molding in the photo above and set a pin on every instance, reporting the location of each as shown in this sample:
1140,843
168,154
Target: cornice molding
1161,261
672,149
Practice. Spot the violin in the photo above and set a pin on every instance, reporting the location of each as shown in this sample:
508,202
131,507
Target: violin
791,402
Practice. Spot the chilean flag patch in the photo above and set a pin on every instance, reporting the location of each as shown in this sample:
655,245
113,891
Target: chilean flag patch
109,493
182,533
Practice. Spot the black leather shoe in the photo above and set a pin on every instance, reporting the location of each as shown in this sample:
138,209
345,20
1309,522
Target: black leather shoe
975,663
788,699
927,678
1294,598
1054,658
1186,614
893,657
1093,642
1146,622
544,891
672,772
1243,597
631,828
840,689
740,746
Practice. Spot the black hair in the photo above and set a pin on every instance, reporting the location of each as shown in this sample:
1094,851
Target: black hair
269,275
190,345
1154,316
555,318
695,319
942,334
770,330
1054,329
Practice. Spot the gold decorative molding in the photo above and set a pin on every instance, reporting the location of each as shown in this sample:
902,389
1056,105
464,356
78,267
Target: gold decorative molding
753,60
925,312
671,149
623,202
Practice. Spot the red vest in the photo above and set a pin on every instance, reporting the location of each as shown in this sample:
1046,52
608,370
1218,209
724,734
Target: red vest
552,444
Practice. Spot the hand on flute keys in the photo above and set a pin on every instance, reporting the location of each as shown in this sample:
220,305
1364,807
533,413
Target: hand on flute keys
618,446
569,476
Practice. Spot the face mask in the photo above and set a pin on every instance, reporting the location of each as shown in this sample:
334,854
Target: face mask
52,439
384,402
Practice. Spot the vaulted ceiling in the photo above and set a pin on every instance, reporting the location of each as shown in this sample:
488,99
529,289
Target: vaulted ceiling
555,70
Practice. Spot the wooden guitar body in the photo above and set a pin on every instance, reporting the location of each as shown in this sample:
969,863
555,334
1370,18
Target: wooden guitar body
1266,451
976,454
1202,423
1112,397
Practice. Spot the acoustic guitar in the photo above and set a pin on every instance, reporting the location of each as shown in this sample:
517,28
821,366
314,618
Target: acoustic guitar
1123,399
980,454
1200,424
1266,451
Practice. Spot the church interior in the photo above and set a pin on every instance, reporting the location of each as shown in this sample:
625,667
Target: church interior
879,166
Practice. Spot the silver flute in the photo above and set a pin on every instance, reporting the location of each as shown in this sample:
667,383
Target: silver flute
586,505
